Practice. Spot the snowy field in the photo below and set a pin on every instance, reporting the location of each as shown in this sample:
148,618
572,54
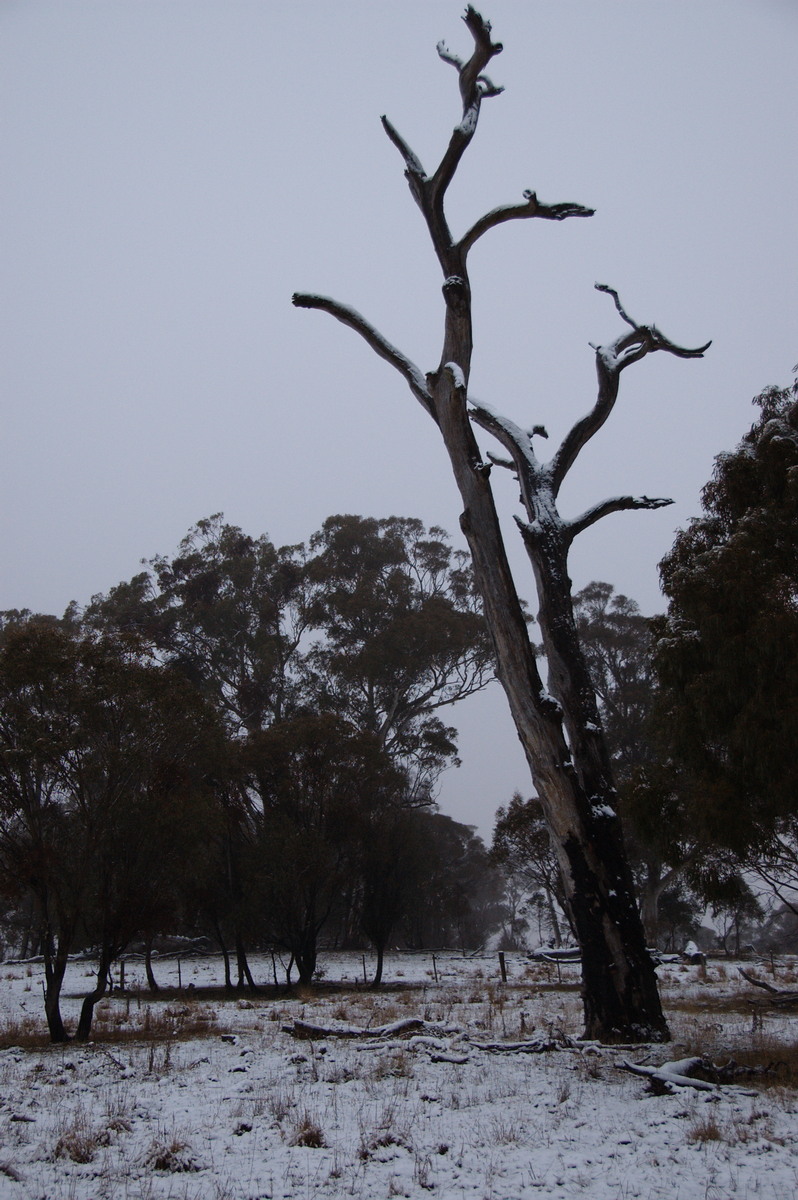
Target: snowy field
191,1095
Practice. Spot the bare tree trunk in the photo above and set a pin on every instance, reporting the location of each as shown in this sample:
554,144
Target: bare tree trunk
152,982
655,885
228,979
619,989
561,734
87,1008
55,965
553,919
379,946
306,961
244,972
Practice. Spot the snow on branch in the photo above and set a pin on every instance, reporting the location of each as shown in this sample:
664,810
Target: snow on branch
454,60
414,172
501,462
617,504
626,349
610,361
518,212
474,86
671,1075
694,1072
517,441
484,50
414,378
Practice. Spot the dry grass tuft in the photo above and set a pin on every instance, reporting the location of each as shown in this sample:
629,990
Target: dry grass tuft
381,1142
395,1064
170,1154
776,1059
27,1032
115,1024
78,1142
308,1133
706,1129
771,1059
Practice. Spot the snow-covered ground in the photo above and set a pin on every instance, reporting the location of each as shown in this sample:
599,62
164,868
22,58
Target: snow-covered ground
243,1110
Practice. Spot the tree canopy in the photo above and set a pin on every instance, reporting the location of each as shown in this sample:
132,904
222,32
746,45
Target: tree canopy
727,651
243,740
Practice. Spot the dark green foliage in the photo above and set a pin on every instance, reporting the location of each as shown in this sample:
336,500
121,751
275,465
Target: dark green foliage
678,919
228,611
616,642
727,652
368,633
456,896
522,849
402,636
238,739
103,762
321,782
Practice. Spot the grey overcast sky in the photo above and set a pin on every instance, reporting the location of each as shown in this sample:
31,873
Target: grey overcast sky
174,169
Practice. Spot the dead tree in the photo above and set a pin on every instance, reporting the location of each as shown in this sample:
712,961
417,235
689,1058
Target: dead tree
559,729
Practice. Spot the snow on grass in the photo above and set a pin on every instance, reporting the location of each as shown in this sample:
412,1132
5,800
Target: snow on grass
192,1095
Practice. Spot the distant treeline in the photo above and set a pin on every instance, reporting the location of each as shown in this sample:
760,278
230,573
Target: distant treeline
243,742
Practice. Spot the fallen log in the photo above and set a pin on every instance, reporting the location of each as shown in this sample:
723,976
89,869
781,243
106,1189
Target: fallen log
779,997
693,1072
665,1079
312,1032
557,954
535,1046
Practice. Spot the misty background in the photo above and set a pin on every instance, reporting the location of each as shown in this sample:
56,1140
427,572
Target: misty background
172,172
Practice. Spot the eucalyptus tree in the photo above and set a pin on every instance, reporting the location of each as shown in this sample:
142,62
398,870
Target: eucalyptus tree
398,637
321,779
727,650
559,727
228,611
522,848
101,775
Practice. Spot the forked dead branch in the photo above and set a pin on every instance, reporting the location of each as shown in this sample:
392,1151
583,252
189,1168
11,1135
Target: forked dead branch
558,726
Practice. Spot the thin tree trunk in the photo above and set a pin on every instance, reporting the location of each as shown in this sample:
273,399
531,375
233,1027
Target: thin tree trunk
152,982
228,979
244,972
652,892
87,1008
55,965
553,919
380,948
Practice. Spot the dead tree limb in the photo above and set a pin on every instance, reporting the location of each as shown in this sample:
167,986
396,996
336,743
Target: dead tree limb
665,1079
558,726
311,1032
779,997
695,1072
534,1046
